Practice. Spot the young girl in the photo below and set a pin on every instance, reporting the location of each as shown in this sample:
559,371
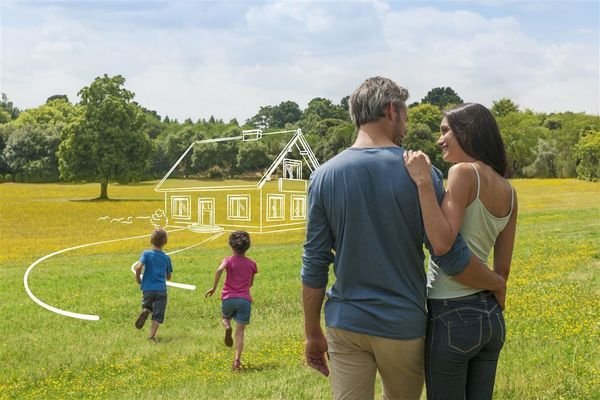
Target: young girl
236,300
466,330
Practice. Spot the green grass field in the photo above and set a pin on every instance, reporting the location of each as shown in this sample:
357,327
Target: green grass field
551,351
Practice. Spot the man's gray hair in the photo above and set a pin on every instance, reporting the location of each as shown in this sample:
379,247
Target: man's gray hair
372,97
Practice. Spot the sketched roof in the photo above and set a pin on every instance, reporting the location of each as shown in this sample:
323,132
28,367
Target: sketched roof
298,141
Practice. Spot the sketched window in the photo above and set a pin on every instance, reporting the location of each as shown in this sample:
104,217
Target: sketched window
298,207
292,169
275,204
238,207
180,207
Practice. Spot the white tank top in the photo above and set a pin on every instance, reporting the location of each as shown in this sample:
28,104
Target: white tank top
479,230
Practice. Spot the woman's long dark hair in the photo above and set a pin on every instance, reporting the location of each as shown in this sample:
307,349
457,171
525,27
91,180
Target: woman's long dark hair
477,132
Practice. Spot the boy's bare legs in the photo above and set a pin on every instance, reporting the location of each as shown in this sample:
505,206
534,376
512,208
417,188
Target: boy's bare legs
227,325
239,344
153,329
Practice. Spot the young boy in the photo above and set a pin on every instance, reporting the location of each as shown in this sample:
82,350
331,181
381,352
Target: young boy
157,270
235,296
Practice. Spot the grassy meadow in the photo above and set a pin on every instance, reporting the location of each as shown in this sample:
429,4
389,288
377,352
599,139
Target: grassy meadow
551,350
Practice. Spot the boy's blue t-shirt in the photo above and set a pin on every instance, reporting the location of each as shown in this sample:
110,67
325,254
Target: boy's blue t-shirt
156,267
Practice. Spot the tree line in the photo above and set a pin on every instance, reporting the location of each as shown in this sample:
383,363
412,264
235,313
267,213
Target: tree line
108,137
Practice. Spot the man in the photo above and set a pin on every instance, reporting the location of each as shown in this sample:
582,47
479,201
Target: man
364,216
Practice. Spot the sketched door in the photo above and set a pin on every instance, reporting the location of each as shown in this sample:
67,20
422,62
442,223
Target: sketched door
206,212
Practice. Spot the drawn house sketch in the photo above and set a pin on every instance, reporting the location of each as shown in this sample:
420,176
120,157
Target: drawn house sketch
277,202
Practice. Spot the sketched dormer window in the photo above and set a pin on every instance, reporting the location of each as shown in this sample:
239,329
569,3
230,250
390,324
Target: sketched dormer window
292,169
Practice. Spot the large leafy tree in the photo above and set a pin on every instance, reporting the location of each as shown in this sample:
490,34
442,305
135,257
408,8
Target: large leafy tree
57,112
31,152
287,112
105,143
442,97
520,132
252,156
426,114
324,108
420,137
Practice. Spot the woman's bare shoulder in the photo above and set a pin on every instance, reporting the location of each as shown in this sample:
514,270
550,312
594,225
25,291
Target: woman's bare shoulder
461,170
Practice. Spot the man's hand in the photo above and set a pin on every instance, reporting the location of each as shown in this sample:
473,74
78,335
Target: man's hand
315,351
209,292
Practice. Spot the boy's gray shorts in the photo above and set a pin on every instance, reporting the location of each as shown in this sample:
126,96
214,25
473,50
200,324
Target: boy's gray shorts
157,302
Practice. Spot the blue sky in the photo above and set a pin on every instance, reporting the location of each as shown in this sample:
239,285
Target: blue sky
197,58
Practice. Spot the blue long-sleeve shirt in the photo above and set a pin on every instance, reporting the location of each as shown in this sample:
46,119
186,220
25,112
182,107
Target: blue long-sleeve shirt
364,216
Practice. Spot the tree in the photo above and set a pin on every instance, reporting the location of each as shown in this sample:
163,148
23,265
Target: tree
520,133
63,97
177,143
6,130
8,107
261,119
567,129
324,108
442,97
503,107
544,165
252,156
337,135
344,103
58,112
588,156
105,143
287,112
4,117
30,153
420,137
426,114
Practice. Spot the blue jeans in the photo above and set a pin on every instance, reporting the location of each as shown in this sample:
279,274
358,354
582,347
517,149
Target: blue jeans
464,339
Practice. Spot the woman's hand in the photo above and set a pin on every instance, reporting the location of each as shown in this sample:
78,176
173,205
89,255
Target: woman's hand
209,292
500,296
418,166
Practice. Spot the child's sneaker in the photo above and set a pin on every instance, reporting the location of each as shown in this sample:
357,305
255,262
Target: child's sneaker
228,337
139,323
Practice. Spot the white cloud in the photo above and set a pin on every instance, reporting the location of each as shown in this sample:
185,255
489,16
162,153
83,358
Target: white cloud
265,53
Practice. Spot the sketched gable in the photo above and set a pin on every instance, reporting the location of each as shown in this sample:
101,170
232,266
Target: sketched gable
277,202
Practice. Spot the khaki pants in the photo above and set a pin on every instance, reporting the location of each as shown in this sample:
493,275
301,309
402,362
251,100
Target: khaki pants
356,358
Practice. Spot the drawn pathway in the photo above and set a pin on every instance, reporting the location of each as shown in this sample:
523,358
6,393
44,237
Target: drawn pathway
92,317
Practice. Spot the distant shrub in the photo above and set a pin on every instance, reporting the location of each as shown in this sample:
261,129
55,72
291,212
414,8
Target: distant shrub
215,172
587,152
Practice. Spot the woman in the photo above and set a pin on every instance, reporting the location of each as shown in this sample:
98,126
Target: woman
466,328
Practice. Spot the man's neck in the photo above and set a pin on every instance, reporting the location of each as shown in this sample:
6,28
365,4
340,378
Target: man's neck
373,134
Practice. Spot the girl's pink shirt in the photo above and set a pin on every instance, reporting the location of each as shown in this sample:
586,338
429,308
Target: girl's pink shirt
240,271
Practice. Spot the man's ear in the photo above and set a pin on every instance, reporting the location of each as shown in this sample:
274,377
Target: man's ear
390,111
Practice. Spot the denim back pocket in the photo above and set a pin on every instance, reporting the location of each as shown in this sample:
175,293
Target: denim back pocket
464,332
